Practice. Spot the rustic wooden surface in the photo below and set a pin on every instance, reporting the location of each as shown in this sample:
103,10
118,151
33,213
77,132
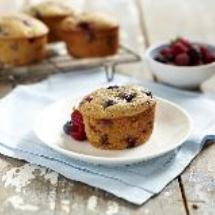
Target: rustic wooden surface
26,188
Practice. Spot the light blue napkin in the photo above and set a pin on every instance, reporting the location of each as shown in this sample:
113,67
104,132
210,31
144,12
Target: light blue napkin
135,183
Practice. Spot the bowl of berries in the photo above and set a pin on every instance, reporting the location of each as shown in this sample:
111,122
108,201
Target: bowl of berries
181,63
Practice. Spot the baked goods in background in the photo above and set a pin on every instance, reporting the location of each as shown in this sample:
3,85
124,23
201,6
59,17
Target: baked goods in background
23,40
117,117
51,13
90,35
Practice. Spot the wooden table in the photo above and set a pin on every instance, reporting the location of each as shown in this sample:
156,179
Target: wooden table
26,188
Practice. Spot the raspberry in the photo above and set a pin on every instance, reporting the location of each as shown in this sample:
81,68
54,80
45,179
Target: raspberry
77,130
207,55
203,50
76,117
199,62
167,53
178,48
182,59
209,58
185,42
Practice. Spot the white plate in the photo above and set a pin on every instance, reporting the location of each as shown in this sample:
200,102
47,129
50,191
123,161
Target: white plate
172,127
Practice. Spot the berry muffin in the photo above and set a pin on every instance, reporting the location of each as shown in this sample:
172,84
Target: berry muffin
51,13
118,117
90,35
22,40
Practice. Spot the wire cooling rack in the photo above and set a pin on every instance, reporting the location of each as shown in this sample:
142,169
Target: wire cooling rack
58,61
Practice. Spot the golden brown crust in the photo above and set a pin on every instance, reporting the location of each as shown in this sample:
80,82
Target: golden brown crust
22,51
120,133
97,20
50,9
90,35
21,26
52,14
53,24
116,101
22,40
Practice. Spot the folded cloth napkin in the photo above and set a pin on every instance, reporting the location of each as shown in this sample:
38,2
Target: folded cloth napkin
135,183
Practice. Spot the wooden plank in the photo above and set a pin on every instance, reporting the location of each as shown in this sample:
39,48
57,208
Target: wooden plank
77,198
199,183
26,188
185,17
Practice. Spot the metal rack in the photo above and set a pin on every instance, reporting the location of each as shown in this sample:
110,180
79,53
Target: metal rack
58,61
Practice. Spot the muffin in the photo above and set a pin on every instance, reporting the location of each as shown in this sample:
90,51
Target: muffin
118,117
90,35
22,40
51,13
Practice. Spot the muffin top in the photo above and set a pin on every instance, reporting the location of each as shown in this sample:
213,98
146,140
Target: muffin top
89,20
116,101
50,9
21,26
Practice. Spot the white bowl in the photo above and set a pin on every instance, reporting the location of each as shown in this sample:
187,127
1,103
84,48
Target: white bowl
179,76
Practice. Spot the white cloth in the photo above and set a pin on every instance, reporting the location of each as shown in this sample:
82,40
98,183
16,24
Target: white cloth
134,183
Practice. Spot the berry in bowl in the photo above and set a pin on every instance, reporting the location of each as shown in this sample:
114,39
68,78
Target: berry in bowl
181,63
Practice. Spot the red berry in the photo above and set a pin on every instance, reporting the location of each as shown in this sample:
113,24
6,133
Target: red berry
207,55
210,58
167,53
182,59
185,42
203,50
78,132
178,48
199,62
77,126
76,117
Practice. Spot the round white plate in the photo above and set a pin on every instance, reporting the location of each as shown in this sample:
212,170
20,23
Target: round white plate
172,128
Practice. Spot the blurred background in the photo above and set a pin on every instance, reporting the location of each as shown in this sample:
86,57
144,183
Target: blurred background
126,12
145,22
